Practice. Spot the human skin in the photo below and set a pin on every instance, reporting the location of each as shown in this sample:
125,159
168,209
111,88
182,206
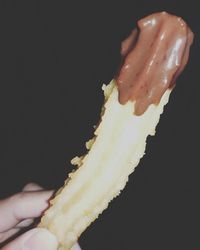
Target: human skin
18,212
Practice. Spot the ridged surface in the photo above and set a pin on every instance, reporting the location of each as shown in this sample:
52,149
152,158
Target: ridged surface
116,149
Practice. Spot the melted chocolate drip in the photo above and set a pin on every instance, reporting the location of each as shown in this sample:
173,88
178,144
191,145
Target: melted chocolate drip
154,55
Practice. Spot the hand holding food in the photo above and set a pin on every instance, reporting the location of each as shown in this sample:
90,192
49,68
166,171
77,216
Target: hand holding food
18,212
153,57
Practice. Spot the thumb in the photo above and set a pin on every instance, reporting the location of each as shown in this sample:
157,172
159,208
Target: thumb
37,238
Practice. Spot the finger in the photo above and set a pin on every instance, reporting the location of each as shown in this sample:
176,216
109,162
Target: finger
24,223
28,188
35,239
32,187
24,205
6,235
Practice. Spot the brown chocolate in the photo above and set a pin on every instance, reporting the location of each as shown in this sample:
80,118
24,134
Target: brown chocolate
154,55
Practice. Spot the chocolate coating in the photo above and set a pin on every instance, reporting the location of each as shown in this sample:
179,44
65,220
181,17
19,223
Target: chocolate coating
153,57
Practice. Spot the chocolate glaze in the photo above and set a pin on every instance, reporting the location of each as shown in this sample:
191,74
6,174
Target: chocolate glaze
154,55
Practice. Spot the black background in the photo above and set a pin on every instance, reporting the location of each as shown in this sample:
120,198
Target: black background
54,57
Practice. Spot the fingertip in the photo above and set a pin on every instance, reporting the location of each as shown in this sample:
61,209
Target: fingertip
32,187
41,239
30,204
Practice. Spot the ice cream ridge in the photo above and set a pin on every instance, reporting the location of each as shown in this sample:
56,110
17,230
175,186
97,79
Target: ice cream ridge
153,56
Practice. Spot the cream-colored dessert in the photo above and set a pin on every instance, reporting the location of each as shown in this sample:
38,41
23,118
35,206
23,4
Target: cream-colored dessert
134,101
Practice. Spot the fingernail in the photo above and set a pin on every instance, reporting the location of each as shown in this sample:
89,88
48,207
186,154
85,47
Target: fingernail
41,239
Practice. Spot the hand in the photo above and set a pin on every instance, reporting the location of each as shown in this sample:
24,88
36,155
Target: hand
18,212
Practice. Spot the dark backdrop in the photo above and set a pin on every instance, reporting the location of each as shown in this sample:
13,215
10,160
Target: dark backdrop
55,57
